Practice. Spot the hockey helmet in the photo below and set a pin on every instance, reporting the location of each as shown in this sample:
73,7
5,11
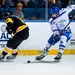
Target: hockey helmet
54,10
5,15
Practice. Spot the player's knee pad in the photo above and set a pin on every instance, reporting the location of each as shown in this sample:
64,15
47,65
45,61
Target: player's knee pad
63,40
12,45
15,45
9,45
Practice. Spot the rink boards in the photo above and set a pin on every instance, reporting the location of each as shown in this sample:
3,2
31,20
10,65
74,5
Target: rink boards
39,34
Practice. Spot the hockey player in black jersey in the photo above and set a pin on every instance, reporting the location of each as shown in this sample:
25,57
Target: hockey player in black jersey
19,29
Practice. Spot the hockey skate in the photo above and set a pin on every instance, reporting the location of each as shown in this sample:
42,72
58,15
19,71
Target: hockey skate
58,57
41,56
11,57
2,57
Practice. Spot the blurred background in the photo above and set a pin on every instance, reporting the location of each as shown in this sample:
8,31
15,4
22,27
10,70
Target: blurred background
33,9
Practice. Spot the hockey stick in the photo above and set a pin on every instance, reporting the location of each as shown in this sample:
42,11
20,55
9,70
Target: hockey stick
62,31
68,23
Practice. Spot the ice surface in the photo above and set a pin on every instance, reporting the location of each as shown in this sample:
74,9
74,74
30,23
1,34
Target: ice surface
19,66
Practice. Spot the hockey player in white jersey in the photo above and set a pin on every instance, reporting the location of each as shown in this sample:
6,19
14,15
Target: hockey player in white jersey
59,23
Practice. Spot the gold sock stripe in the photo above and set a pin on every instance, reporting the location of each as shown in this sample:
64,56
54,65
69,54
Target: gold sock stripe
14,51
38,52
7,50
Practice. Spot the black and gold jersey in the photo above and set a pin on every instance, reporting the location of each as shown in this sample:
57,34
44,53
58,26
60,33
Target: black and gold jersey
15,24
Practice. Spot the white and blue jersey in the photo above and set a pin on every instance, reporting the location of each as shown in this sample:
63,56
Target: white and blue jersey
58,24
60,27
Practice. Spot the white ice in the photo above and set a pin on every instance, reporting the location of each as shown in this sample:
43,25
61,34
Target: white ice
20,66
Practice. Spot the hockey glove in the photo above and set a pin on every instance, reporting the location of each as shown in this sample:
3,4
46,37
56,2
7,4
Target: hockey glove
9,31
56,37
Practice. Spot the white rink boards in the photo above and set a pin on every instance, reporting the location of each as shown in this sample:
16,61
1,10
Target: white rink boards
39,34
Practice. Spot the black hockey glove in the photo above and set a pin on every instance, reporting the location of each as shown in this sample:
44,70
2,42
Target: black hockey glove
9,31
56,37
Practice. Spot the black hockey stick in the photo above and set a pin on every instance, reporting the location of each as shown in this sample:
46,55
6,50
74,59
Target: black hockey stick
68,23
62,31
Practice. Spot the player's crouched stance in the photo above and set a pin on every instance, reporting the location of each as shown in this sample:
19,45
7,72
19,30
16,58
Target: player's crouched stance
58,22
19,29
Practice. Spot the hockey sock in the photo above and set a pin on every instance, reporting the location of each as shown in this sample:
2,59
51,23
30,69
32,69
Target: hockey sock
63,40
7,50
14,54
61,51
46,49
4,53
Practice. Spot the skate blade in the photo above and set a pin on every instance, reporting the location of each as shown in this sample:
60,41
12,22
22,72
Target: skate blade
10,59
6,61
56,60
1,60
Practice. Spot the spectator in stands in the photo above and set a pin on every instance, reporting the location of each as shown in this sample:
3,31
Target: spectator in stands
18,12
0,3
65,3
24,3
41,3
70,2
32,4
58,3
27,0
50,3
8,3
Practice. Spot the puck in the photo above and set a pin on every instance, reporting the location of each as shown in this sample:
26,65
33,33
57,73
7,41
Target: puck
28,61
